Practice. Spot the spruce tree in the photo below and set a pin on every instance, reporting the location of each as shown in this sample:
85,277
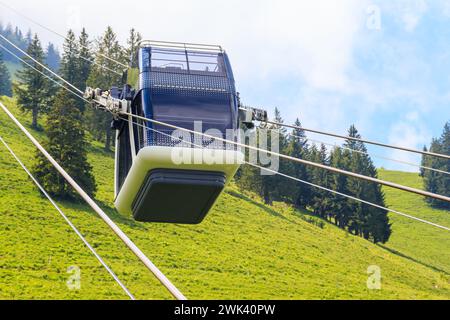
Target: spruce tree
99,121
340,209
32,89
5,79
298,148
264,180
367,221
29,37
84,59
69,62
431,178
437,182
67,144
132,45
52,57
249,179
280,188
319,202
82,62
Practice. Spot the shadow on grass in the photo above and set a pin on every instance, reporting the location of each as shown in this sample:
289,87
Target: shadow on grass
99,150
259,205
413,259
111,212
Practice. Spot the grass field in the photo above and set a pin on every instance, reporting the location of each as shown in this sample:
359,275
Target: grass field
416,241
243,250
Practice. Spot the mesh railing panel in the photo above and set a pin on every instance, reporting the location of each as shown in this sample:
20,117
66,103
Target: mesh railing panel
187,140
179,82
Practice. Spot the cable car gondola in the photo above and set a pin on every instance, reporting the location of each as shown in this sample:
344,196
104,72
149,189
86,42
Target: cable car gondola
186,86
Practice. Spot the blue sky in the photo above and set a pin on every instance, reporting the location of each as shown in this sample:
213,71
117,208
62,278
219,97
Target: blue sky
381,65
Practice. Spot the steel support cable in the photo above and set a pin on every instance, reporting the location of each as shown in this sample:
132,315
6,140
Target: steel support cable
60,35
307,183
98,64
301,161
368,154
352,197
176,295
270,122
128,242
380,144
420,192
42,73
72,226
43,66
299,180
355,175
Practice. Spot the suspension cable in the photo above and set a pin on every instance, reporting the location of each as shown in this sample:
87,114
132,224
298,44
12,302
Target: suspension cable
58,34
128,242
270,122
266,121
161,277
387,183
301,161
98,64
380,144
304,182
99,258
367,154
175,292
351,197
42,73
42,65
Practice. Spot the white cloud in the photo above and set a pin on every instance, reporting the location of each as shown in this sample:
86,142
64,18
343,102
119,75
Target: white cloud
297,55
409,133
309,42
410,12
310,39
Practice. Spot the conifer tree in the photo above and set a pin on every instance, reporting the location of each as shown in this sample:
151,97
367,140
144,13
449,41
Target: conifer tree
423,163
29,37
278,188
319,202
84,64
437,182
367,221
32,89
5,79
69,62
298,148
99,121
52,58
67,144
132,45
84,59
340,209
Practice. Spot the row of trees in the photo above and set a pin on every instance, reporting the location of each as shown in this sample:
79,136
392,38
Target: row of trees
356,217
437,182
5,78
15,35
68,119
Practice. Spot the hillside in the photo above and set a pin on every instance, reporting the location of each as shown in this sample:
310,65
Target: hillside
416,241
243,250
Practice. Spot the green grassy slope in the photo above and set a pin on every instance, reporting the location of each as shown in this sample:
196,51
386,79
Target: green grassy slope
416,241
243,249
